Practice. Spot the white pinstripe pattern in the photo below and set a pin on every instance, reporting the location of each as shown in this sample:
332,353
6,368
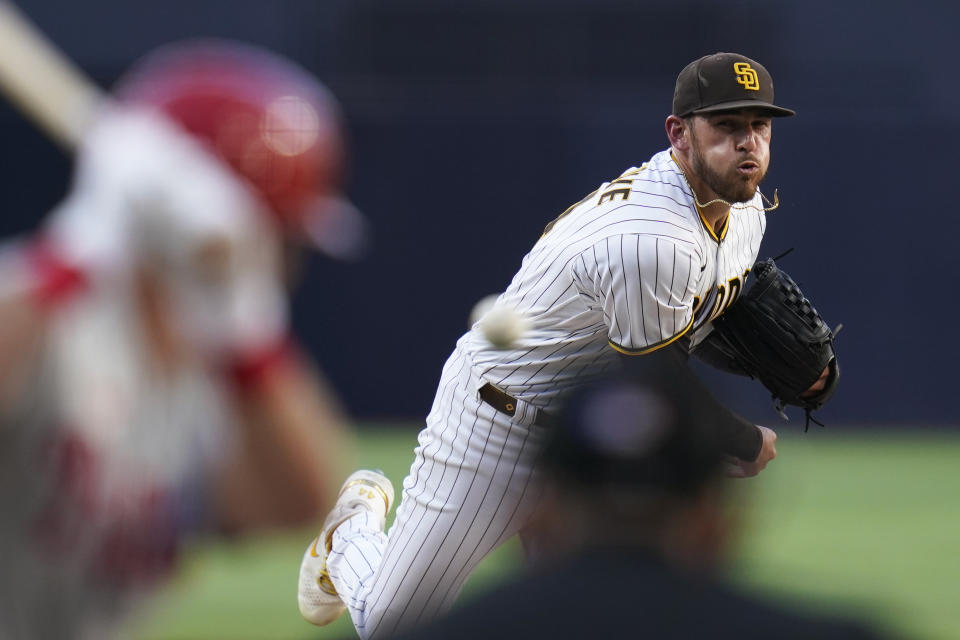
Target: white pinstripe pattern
469,490
356,553
624,268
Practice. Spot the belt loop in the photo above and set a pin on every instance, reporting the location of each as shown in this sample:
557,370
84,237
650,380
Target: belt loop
507,404
499,400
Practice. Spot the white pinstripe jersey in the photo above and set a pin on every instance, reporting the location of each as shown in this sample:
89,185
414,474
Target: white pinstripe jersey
633,266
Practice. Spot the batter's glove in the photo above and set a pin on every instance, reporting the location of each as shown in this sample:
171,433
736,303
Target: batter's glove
773,333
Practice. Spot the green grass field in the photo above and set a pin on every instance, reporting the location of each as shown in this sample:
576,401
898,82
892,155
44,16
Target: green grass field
865,522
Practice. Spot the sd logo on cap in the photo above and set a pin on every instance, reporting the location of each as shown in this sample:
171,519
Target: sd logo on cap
724,81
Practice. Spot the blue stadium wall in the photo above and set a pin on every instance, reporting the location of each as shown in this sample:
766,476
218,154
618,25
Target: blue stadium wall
474,123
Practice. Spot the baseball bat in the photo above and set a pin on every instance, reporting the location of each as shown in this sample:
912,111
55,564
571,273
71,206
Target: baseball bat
46,86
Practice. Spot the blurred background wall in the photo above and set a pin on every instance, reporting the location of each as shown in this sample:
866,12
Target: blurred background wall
473,123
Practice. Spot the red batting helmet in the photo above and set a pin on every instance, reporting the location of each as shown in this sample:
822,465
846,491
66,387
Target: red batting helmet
271,121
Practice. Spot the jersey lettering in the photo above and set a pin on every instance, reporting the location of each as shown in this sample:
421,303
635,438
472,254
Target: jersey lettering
621,187
723,296
719,302
608,194
611,194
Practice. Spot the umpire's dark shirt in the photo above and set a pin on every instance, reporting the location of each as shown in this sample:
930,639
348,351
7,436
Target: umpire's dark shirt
627,594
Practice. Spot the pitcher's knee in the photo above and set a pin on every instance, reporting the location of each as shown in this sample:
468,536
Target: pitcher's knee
381,621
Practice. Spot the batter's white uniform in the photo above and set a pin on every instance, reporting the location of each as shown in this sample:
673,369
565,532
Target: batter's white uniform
107,464
107,459
634,267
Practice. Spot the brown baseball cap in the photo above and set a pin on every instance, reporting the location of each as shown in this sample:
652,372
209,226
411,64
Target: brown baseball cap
724,81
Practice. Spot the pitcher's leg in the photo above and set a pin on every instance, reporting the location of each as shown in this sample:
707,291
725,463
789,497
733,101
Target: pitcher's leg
469,490
344,556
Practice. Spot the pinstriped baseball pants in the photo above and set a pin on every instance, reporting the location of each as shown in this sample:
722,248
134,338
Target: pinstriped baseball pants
470,488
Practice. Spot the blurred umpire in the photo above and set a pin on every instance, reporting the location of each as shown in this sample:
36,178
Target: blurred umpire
631,530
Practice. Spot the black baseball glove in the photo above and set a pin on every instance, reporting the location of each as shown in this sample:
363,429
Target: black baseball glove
773,333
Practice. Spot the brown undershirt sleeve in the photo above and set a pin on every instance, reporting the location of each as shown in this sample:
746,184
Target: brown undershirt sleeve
738,436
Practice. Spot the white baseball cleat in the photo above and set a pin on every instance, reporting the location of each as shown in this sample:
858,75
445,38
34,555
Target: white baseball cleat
363,491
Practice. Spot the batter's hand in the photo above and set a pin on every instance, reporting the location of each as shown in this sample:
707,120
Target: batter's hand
737,468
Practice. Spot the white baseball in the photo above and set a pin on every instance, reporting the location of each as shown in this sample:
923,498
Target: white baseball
501,325
480,309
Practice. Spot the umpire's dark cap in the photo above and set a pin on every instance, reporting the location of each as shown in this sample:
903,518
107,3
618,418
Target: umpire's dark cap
722,82
647,433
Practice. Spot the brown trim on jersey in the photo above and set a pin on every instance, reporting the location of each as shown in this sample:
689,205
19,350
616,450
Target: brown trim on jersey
553,222
649,348
706,225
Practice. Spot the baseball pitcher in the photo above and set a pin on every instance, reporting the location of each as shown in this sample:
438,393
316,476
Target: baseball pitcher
638,272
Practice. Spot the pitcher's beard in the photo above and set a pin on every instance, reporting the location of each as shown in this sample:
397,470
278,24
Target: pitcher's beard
732,188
